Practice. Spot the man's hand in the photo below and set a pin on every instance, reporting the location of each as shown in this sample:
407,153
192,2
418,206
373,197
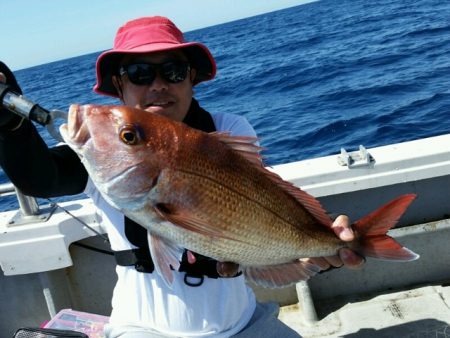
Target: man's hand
346,257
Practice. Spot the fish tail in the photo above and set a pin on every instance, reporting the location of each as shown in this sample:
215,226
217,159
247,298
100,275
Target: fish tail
371,232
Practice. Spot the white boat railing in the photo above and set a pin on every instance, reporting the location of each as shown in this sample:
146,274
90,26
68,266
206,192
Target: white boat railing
6,189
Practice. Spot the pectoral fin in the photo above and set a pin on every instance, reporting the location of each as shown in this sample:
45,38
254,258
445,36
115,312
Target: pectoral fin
165,255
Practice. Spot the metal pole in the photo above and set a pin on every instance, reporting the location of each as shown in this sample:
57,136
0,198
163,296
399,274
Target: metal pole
28,205
306,302
48,294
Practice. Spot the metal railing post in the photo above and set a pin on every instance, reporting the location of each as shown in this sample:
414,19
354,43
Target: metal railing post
28,205
29,210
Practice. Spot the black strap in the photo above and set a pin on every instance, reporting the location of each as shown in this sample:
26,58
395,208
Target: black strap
136,234
141,259
194,273
199,118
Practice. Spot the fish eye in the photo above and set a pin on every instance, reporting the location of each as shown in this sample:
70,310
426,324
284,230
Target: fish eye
129,135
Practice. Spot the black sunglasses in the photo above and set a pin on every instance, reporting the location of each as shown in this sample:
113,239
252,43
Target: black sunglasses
145,73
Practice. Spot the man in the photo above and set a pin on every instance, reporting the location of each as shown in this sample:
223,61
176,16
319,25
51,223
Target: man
151,67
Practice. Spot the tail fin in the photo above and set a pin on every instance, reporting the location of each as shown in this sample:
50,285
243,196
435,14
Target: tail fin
372,240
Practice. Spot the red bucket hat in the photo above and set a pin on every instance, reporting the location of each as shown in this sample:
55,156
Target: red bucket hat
146,35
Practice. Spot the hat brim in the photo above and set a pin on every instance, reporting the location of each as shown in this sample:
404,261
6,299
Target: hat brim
108,62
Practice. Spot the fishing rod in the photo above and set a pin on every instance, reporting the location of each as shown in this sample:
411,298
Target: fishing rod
29,110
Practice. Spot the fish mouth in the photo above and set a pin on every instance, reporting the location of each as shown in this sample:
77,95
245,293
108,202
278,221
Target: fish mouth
75,132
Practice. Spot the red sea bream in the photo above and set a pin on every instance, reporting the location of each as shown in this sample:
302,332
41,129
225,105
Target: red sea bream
211,194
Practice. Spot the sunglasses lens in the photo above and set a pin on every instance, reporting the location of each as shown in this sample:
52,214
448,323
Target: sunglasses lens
174,72
141,74
144,73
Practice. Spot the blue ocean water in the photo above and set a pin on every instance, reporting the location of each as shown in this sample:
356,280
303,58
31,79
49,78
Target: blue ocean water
311,79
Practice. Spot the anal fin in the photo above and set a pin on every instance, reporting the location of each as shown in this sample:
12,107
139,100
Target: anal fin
281,275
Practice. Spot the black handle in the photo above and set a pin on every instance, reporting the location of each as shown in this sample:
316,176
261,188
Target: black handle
23,107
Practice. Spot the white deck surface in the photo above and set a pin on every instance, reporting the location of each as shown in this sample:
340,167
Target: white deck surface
417,312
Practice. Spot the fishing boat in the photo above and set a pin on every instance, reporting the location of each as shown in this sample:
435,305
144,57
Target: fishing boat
55,256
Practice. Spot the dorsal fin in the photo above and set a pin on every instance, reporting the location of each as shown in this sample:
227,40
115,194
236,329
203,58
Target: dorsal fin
245,145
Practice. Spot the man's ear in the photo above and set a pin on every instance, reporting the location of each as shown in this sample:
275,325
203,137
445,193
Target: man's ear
193,74
118,85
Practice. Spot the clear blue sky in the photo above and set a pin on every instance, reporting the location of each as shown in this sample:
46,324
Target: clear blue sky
34,32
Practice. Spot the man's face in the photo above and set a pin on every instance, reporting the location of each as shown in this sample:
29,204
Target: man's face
161,96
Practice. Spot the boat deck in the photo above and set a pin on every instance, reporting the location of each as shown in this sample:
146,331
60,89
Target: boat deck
418,312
